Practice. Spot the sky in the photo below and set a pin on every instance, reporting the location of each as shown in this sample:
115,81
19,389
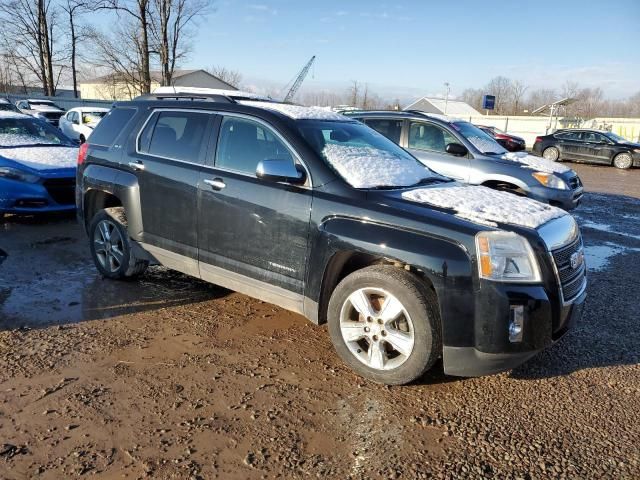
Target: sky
411,48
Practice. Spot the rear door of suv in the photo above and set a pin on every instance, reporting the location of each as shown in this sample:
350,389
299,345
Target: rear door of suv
169,155
252,231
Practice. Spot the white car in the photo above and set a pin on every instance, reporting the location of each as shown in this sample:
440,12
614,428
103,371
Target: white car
78,123
43,109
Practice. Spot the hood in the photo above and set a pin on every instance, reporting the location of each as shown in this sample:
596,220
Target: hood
535,163
481,205
42,158
45,108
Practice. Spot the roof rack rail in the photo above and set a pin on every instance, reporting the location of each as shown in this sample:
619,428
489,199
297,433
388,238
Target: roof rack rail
206,97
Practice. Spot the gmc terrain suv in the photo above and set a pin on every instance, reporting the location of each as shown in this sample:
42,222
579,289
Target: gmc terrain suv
321,215
462,151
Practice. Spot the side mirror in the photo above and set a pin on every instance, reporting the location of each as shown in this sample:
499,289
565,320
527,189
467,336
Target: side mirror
456,149
280,171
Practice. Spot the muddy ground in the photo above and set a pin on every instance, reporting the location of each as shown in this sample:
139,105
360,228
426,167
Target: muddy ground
169,377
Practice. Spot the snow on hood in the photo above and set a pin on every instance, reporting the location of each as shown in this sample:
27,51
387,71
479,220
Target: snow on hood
45,108
298,112
486,206
536,163
368,167
10,114
42,158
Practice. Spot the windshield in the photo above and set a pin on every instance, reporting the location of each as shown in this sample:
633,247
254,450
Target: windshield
7,107
362,156
479,139
616,138
15,132
92,117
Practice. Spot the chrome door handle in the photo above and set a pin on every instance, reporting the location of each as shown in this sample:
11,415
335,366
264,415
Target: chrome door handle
216,183
137,165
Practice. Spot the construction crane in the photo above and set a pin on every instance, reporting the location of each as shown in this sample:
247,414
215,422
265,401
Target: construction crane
298,80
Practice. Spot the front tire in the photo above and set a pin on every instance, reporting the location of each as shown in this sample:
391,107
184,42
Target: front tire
111,247
384,323
551,153
623,161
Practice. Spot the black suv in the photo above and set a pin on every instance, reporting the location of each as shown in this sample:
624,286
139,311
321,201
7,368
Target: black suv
588,146
320,214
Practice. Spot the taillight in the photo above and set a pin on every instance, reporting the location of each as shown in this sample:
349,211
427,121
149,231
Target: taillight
538,139
82,153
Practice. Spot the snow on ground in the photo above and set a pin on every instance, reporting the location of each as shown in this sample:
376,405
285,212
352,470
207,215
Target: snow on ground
42,158
297,112
483,205
536,163
368,167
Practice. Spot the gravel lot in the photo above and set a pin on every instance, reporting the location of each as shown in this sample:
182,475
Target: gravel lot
169,377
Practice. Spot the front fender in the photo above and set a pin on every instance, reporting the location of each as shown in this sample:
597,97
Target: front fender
504,178
446,264
122,185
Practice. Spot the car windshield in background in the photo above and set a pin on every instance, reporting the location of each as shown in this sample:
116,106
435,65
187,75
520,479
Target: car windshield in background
6,107
44,104
362,156
92,117
616,138
479,139
15,132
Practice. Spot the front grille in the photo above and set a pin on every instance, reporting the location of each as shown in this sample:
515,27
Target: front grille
62,190
575,183
571,279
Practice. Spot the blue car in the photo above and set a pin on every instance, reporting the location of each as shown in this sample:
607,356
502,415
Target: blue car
37,166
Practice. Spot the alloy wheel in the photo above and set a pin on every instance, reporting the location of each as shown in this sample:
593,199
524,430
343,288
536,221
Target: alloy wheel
376,328
108,246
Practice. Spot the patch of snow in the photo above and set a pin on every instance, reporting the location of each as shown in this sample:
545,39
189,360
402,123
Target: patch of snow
9,114
603,227
598,256
483,205
42,158
298,112
536,163
484,145
210,91
12,140
368,167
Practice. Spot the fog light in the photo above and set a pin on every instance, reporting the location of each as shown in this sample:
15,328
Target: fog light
516,323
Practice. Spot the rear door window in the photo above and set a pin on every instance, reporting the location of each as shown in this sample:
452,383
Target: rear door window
111,125
176,135
574,136
244,143
392,129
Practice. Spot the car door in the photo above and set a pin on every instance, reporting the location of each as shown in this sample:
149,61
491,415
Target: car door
169,155
570,145
65,121
74,125
251,229
427,142
595,148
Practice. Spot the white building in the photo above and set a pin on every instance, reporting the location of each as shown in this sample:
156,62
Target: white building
453,108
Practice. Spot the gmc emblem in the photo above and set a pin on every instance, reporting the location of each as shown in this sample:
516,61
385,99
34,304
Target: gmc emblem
577,259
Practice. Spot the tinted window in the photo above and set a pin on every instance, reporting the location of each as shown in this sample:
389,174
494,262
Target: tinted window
111,125
389,128
244,143
592,137
179,135
568,135
427,136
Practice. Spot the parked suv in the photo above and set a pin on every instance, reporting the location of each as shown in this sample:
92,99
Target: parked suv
321,215
589,146
460,150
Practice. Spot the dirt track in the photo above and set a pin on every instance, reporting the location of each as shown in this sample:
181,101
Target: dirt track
169,377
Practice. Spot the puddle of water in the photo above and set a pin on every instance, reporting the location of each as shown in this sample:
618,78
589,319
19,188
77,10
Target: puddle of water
603,227
598,256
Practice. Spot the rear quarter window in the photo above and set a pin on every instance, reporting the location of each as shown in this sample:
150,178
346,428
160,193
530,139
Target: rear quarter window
111,125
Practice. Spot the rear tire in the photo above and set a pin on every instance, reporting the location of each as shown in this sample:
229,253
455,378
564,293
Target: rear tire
551,153
623,161
82,139
398,337
111,248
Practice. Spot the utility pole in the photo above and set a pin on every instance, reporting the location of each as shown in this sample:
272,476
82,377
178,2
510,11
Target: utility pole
446,98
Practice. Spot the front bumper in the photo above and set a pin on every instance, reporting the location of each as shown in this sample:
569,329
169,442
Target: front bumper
492,352
47,195
565,199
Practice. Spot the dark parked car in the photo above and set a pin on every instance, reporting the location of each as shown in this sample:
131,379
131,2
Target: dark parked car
508,141
320,214
588,146
7,106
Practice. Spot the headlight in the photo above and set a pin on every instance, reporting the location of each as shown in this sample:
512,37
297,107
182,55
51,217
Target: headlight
506,257
15,174
550,180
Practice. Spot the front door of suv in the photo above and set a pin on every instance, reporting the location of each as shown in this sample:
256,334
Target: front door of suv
428,141
252,231
170,154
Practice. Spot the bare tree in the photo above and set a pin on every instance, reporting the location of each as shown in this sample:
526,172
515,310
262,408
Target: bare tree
500,87
170,22
516,96
232,77
28,30
473,96
354,91
74,8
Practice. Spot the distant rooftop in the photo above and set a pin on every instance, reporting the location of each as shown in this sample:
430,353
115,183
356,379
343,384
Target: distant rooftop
454,108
